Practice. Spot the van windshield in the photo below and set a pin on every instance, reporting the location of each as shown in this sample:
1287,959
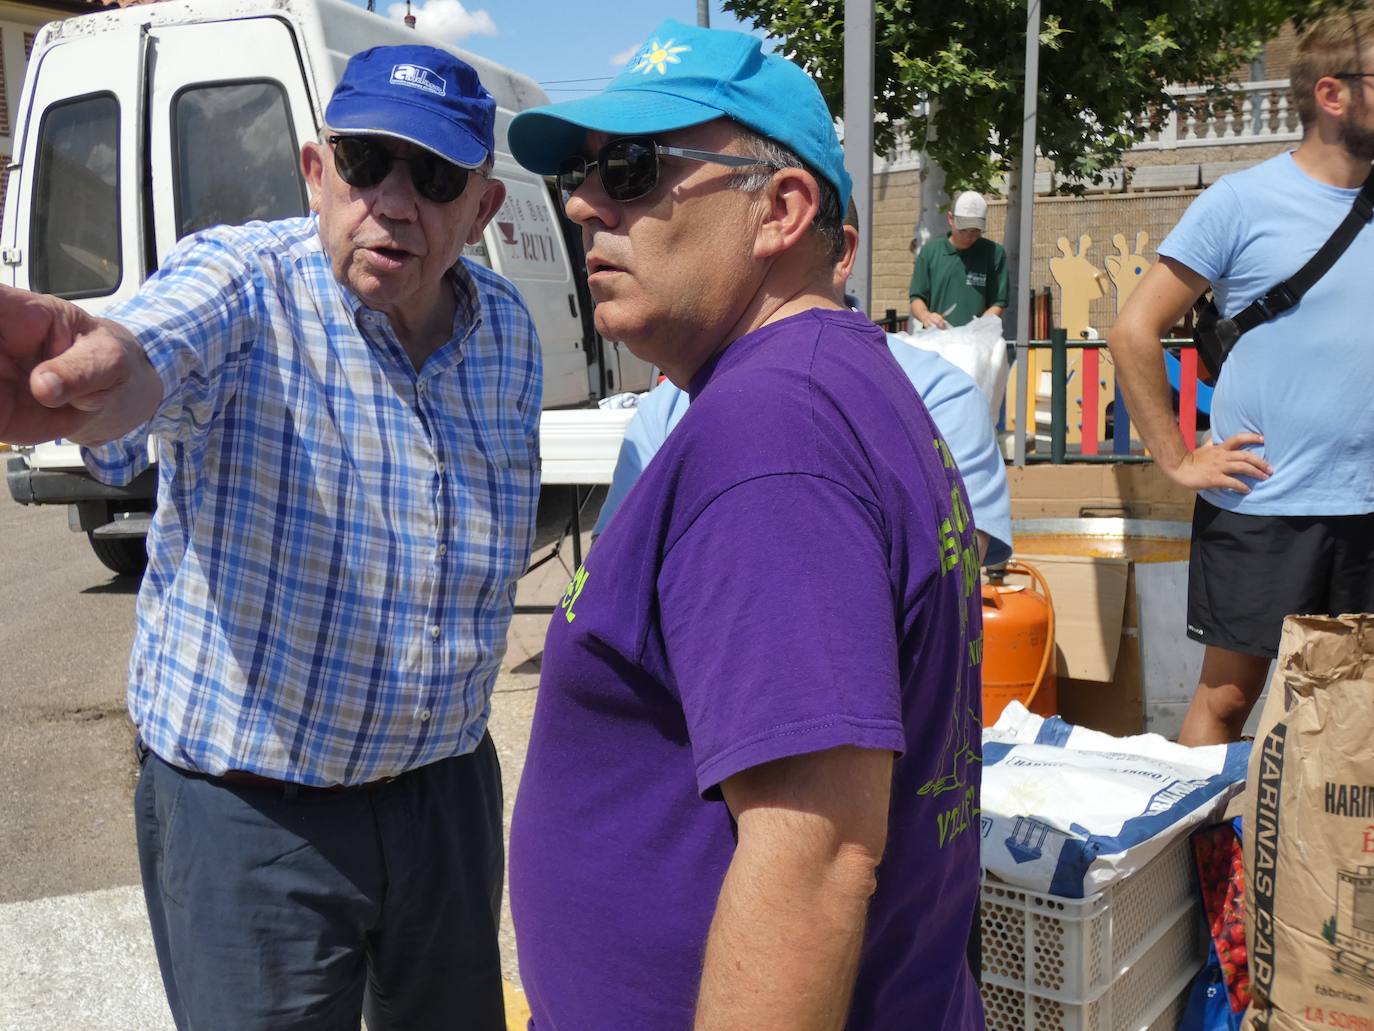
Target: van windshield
74,235
237,158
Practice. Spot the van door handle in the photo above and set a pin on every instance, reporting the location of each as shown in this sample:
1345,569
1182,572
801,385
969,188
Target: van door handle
572,305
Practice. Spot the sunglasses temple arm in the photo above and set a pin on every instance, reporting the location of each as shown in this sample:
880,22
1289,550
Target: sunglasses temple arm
733,160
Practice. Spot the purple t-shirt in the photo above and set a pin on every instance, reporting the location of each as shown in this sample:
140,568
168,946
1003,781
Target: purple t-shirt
795,571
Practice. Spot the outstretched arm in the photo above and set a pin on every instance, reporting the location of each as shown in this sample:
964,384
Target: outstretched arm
1164,295
64,373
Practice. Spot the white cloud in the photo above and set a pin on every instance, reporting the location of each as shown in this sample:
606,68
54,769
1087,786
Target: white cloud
623,58
447,19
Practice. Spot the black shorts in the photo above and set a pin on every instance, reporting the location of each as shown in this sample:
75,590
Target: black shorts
1247,572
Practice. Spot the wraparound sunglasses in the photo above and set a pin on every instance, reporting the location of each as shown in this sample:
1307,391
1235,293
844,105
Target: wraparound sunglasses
629,165
364,161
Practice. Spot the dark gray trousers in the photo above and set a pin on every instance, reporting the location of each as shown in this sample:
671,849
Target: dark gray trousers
274,909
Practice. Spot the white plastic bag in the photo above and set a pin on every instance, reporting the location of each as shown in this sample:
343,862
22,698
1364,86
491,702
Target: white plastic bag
622,400
977,348
1066,810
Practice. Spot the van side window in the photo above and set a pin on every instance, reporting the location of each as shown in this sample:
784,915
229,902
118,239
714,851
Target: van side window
236,156
74,234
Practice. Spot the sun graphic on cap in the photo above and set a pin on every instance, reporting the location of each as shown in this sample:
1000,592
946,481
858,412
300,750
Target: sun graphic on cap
657,56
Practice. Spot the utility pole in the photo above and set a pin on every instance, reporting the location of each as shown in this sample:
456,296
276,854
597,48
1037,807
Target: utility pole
858,137
704,13
1029,110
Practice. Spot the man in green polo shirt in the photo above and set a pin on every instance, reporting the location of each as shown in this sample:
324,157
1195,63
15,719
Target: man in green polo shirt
962,276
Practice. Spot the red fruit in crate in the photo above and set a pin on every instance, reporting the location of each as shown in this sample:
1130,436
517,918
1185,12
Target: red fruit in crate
1239,956
1238,934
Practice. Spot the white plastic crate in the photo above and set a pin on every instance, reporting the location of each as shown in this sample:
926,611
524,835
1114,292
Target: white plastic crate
1120,960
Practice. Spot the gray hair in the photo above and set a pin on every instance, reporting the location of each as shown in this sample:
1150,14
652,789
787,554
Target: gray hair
829,221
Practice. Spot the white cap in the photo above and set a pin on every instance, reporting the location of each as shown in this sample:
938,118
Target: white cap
970,211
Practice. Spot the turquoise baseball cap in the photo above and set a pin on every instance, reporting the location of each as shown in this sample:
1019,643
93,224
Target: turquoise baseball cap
683,76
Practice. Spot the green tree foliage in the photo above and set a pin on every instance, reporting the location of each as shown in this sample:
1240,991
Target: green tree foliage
1103,68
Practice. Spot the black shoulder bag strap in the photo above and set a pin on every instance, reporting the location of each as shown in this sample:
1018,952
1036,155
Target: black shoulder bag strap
1290,291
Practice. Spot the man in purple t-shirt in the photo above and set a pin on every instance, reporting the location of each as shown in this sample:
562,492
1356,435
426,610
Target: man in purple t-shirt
751,794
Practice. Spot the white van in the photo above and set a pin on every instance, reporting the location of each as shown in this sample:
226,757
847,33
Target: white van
139,126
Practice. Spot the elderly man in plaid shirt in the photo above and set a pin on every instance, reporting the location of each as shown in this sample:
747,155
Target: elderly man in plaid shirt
345,415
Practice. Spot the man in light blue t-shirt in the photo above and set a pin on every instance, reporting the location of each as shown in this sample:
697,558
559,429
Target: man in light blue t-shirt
960,411
1283,520
959,408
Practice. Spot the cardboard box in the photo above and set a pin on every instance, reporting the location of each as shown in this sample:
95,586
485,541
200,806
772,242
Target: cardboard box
1097,643
1110,677
1089,597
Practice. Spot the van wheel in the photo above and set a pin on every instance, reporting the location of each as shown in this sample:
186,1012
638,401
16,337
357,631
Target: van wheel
127,556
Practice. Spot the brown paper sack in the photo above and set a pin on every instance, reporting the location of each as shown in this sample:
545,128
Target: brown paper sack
1309,832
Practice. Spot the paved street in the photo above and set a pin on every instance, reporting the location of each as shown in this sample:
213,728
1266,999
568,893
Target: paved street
74,949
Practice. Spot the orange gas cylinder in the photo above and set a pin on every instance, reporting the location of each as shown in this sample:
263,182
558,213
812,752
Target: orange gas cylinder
1018,644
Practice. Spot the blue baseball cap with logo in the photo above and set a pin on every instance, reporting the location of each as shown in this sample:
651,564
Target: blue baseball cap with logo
686,76
416,93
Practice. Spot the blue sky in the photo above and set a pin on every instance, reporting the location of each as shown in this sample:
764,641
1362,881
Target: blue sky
561,44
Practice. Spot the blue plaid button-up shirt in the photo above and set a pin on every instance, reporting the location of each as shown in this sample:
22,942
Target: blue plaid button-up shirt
333,560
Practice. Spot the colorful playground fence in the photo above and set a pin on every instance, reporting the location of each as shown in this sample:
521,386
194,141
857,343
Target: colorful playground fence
1093,443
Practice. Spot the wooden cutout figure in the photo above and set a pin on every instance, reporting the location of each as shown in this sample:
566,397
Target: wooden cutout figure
1128,268
1080,283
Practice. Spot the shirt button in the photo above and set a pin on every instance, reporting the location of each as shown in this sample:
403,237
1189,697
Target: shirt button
434,632
423,715
439,466
443,549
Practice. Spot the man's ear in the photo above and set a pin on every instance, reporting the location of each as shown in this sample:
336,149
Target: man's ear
312,167
1332,96
793,198
493,196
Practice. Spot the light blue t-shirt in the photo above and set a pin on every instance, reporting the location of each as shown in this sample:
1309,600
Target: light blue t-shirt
959,409
1303,379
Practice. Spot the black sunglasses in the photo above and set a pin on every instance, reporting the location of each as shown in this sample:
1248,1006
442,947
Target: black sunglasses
629,166
364,161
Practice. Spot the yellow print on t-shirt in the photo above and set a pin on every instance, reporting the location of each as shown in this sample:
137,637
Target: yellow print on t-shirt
959,550
572,592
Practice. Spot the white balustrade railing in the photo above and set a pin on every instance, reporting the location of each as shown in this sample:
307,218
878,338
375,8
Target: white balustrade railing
1250,112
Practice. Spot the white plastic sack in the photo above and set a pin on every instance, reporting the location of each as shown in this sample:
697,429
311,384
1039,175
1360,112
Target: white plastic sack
622,400
1066,810
977,348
